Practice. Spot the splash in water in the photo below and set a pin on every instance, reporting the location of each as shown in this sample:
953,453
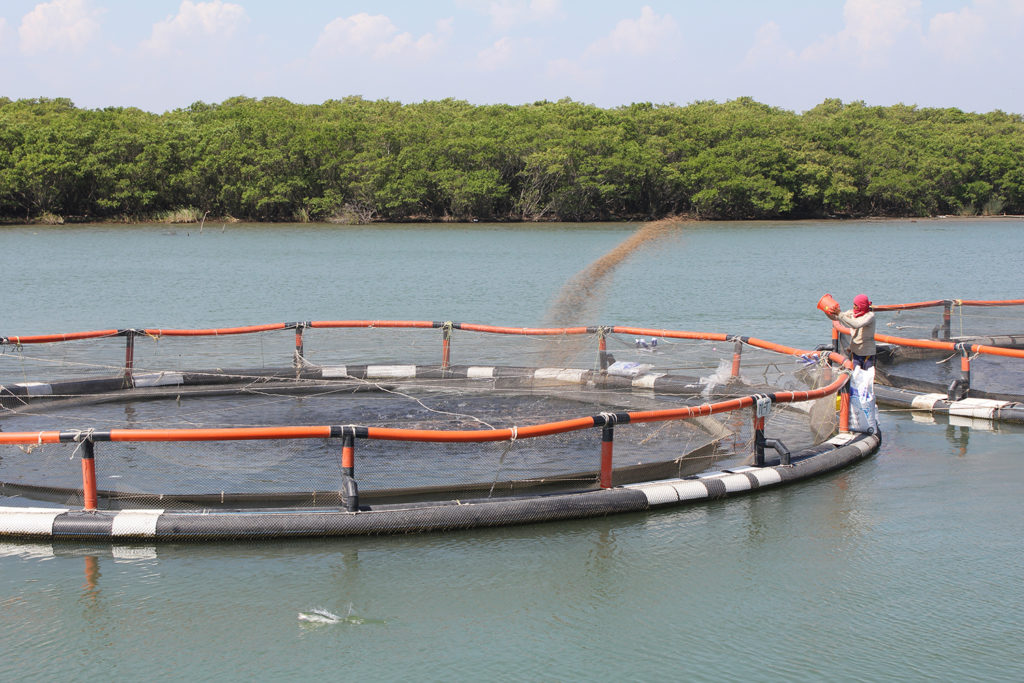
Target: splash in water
321,616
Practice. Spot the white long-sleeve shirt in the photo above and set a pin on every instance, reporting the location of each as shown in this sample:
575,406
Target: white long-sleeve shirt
862,341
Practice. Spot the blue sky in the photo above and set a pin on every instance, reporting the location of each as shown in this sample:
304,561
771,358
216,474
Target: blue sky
166,54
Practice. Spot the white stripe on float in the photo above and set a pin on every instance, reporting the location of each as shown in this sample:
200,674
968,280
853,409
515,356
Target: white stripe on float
158,379
34,521
478,372
690,490
646,381
767,476
334,371
135,523
390,371
660,494
36,388
736,482
560,375
927,401
862,447
976,407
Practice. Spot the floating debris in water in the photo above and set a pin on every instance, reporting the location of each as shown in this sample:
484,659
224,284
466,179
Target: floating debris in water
319,615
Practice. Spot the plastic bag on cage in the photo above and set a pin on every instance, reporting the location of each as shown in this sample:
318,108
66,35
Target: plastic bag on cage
628,369
863,411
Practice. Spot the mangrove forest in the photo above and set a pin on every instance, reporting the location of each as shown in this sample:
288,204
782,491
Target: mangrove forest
355,160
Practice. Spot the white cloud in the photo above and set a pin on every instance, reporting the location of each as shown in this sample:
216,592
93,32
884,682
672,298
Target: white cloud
498,55
196,21
376,35
957,36
61,25
871,28
508,13
769,47
641,37
1012,7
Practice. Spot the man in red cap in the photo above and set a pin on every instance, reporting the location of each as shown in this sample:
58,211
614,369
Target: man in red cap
861,322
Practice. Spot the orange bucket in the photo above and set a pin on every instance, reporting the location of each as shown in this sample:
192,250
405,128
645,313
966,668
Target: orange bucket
828,305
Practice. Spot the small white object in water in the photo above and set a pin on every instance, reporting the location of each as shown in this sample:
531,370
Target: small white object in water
319,616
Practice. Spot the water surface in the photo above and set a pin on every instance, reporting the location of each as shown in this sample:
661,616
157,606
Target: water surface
907,566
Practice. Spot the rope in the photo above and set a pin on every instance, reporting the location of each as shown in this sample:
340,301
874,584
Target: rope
501,460
80,437
39,444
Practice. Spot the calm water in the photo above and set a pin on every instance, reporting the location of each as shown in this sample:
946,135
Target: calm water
907,566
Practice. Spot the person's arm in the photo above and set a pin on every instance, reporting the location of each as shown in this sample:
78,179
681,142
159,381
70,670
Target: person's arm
847,318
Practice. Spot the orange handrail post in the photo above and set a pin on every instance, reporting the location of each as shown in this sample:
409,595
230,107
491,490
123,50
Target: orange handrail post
300,349
349,489
88,475
607,439
965,367
737,352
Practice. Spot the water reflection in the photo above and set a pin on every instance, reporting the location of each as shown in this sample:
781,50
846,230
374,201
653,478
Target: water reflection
91,590
958,435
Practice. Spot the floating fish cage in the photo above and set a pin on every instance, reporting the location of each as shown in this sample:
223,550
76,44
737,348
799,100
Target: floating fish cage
961,357
372,427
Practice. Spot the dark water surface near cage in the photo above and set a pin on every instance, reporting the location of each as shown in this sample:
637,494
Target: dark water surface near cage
908,566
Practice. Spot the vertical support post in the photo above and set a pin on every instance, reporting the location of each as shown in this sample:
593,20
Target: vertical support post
762,408
88,475
965,367
737,353
835,339
602,349
300,349
349,489
607,439
758,438
947,307
129,358
446,346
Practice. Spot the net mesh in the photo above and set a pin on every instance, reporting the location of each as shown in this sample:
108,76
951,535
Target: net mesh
933,370
348,377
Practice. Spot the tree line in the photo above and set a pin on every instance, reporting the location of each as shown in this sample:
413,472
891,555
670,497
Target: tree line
357,160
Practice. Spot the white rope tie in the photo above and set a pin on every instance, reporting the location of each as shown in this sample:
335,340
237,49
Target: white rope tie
31,447
80,437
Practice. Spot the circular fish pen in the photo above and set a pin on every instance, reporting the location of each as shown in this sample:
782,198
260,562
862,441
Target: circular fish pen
371,427
963,358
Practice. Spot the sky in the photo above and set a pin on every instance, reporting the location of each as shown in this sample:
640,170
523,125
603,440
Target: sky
160,55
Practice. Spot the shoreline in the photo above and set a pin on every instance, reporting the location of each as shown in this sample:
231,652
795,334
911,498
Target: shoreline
15,223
